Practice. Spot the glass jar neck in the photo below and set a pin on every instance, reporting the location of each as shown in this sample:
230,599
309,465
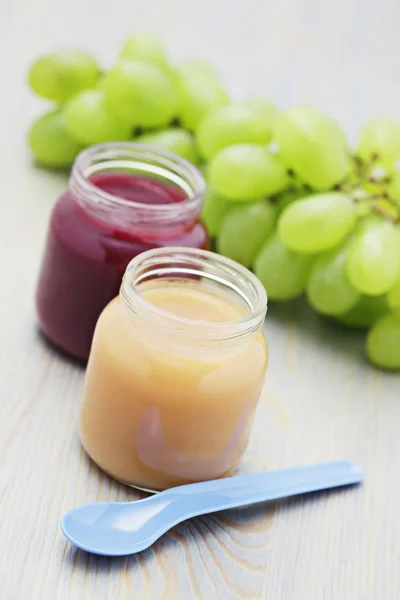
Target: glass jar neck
140,161
220,275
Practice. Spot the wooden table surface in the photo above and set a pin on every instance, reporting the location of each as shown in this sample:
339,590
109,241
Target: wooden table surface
321,402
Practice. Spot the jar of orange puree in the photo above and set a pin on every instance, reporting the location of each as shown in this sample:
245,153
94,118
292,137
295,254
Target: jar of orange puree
176,370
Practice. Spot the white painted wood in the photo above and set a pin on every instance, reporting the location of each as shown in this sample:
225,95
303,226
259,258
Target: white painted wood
322,401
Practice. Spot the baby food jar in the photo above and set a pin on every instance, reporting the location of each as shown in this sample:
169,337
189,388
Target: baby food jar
176,370
123,198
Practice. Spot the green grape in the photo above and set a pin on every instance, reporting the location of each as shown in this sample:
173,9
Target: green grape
317,223
89,120
264,109
199,93
141,93
383,342
373,263
380,140
244,230
283,273
365,312
175,140
62,75
195,66
147,48
245,172
50,142
229,125
328,289
313,146
393,297
214,210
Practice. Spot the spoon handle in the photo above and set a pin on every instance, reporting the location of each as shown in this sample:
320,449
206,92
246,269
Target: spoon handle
242,490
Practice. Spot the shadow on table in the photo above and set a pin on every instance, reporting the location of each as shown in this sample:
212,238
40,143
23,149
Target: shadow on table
57,352
322,330
81,560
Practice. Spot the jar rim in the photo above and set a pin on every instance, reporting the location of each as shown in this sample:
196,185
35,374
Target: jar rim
146,159
191,261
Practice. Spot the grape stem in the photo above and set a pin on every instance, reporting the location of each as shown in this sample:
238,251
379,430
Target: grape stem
379,211
363,171
364,176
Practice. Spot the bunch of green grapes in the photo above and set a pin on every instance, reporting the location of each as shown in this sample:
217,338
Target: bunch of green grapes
311,218
286,196
142,97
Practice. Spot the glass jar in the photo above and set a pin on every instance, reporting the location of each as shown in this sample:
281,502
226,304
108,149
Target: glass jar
123,199
176,370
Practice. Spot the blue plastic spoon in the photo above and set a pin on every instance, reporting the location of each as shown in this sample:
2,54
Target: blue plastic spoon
121,528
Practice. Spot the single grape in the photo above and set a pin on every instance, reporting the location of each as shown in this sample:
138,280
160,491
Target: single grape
229,125
365,312
89,120
246,172
317,223
264,109
393,297
175,140
147,48
214,210
50,142
380,140
313,121
283,273
61,75
199,93
244,230
373,263
328,289
383,342
141,93
196,66
313,146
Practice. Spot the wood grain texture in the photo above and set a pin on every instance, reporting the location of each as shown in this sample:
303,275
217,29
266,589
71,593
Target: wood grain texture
322,401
